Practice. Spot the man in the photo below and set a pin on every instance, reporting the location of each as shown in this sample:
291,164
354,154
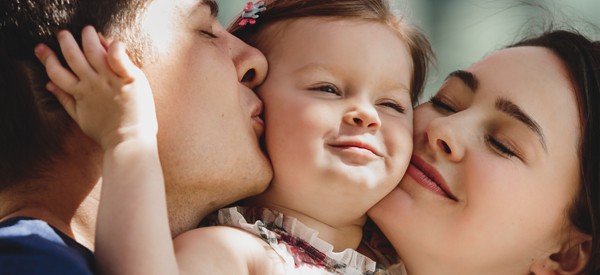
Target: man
201,77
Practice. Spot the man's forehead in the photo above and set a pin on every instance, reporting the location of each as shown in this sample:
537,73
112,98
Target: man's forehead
192,7
211,4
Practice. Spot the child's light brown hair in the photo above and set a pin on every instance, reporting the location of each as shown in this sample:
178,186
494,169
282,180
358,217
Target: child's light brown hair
370,10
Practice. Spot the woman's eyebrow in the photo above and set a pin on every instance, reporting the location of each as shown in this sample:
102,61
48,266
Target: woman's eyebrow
467,78
504,105
508,107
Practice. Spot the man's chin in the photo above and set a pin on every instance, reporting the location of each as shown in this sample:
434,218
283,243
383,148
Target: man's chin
262,179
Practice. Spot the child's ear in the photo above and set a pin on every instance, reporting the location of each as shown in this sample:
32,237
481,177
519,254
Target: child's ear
570,259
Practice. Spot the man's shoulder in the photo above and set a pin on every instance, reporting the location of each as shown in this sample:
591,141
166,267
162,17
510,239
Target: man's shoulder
31,246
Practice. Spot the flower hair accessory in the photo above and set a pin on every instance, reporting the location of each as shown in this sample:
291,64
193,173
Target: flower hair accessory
250,12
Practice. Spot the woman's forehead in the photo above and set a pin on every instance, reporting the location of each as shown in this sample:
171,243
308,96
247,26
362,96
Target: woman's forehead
535,80
523,72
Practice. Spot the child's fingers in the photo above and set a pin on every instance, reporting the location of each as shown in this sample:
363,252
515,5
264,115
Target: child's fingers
93,50
65,99
120,63
72,53
55,70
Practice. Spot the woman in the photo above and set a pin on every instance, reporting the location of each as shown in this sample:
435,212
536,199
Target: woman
505,169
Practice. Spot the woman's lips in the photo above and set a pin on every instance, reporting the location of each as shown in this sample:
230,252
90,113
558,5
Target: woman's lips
428,177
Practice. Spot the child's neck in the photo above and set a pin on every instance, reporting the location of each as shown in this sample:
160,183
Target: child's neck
341,233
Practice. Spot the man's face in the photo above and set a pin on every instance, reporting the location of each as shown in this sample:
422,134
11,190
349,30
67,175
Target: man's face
201,78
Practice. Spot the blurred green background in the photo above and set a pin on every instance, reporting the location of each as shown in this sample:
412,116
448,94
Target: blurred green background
463,31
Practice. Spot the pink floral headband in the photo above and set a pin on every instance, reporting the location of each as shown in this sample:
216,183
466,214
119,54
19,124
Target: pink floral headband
250,12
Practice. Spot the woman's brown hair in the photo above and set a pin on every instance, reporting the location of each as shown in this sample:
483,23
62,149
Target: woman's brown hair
581,57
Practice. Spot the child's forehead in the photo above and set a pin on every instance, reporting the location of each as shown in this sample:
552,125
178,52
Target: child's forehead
308,25
314,35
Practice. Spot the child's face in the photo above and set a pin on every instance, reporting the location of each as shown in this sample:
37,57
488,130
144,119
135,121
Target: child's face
338,112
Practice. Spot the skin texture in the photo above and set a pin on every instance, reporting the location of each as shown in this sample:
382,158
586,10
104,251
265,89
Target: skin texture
111,100
359,117
315,97
506,213
339,119
207,116
208,127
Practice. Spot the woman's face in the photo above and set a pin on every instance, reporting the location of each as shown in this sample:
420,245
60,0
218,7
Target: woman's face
494,170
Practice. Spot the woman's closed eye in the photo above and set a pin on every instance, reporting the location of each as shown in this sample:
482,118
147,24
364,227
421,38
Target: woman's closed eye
500,147
440,104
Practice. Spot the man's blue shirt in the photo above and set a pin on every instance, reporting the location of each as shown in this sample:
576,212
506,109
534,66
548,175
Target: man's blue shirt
31,246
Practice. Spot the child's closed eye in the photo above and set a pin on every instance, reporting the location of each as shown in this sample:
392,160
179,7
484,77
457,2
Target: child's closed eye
394,106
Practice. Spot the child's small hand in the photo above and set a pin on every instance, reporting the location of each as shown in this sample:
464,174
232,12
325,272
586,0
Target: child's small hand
105,93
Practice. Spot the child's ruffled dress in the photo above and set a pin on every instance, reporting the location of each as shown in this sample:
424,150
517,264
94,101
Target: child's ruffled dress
301,251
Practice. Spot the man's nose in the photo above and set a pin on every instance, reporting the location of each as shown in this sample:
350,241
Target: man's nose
250,63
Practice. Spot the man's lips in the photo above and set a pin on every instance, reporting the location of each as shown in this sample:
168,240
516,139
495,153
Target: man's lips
428,177
258,125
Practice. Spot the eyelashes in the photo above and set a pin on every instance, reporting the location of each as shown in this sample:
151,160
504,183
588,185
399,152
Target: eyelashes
500,147
495,144
332,89
208,34
395,106
439,104
327,88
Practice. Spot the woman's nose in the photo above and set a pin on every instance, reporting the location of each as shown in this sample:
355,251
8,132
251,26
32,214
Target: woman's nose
443,137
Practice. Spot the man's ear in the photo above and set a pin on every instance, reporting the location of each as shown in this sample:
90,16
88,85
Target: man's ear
572,257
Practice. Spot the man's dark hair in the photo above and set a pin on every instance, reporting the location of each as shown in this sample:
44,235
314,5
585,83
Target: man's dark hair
33,125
